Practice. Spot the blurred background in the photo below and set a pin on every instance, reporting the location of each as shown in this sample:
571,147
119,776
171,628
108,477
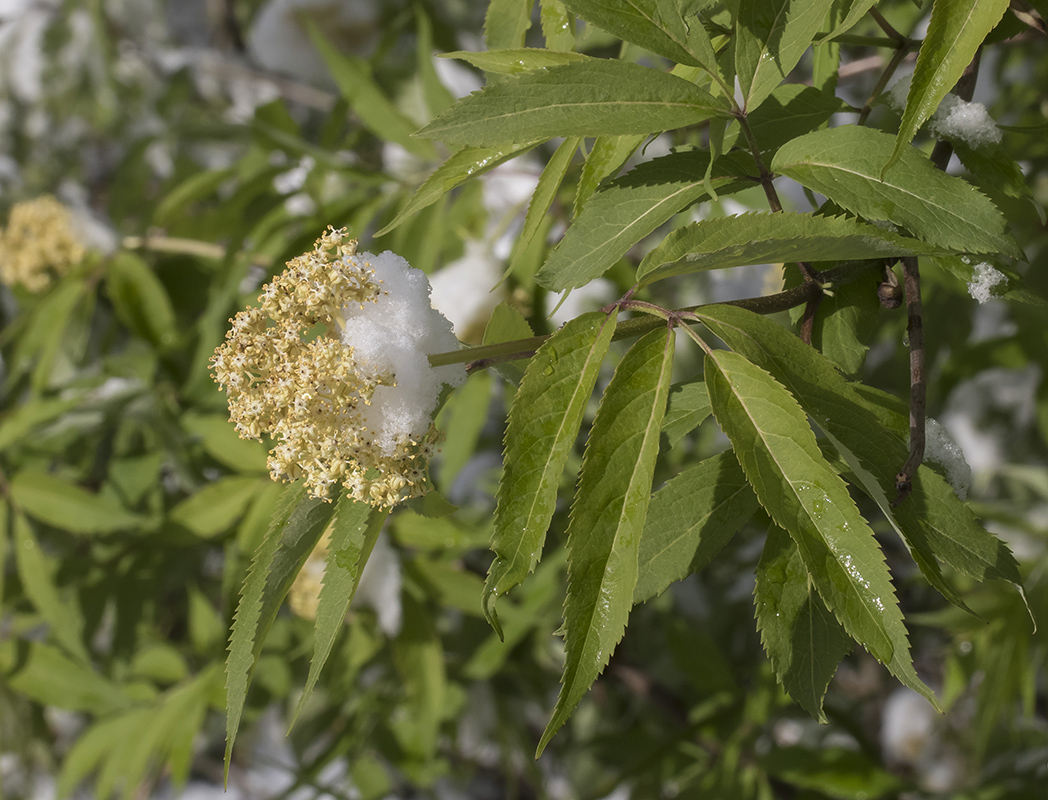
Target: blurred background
193,147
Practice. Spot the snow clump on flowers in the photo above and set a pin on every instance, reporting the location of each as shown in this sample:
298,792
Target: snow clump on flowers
39,243
352,405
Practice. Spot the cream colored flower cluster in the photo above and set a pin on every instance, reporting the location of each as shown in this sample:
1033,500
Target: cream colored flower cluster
292,371
38,244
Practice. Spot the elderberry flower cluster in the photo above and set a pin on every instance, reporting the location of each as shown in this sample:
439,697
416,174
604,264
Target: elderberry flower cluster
332,365
38,244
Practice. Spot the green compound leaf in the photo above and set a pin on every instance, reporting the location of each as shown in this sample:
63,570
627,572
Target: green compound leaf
515,61
690,519
762,238
803,494
803,639
607,517
955,32
845,164
543,423
469,162
353,535
629,208
293,533
592,98
770,38
933,521
658,25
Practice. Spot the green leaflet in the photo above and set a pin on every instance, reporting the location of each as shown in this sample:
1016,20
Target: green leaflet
140,300
661,26
591,98
845,321
469,162
803,494
851,11
545,193
689,406
506,22
866,424
68,507
845,164
37,577
419,658
955,32
293,533
216,506
18,422
45,674
515,61
353,535
540,434
802,638
760,238
607,517
689,520
369,103
221,441
605,158
628,209
558,25
770,38
790,111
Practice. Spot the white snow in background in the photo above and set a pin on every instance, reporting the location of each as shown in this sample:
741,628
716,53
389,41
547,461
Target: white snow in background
379,586
907,726
394,335
278,39
22,59
457,78
595,294
941,449
462,291
954,119
984,279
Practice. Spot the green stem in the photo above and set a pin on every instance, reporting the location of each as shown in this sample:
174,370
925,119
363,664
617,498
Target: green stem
490,354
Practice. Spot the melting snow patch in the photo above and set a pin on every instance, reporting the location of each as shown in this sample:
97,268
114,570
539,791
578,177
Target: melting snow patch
984,279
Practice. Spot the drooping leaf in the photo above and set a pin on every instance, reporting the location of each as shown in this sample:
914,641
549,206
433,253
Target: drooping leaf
802,638
658,25
540,434
469,162
689,406
874,433
770,38
353,535
845,320
804,495
37,576
762,238
845,164
68,507
419,658
689,520
545,193
607,517
506,22
292,535
955,32
628,209
366,98
517,60
592,98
